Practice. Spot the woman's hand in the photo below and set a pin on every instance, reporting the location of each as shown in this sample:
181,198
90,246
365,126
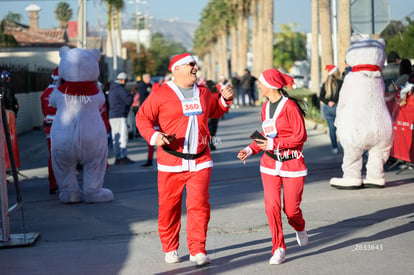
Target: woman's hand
242,155
261,143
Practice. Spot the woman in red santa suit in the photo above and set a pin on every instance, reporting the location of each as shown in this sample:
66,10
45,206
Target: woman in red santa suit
181,109
282,163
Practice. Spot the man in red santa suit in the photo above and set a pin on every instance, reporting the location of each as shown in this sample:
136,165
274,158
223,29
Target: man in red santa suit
182,109
49,113
283,163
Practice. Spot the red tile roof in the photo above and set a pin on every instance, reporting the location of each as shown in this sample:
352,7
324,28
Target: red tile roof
41,37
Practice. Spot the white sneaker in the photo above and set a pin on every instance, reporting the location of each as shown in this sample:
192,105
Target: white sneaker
302,238
172,257
278,257
200,259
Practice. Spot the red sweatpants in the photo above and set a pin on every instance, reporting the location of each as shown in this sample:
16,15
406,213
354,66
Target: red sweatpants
292,197
52,179
170,192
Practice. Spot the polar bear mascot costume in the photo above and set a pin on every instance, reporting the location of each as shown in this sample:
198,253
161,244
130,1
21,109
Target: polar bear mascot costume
362,120
78,132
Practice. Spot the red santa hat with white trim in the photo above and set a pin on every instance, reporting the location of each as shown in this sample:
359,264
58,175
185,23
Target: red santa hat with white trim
274,79
331,69
180,59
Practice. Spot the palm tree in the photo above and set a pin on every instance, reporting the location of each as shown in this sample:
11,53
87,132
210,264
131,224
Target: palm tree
315,69
267,27
63,14
113,41
344,37
243,27
325,26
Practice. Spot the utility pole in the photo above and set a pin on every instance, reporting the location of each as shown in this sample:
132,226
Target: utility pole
81,24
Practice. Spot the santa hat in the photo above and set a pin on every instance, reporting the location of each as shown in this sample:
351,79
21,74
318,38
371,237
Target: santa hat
55,75
331,69
180,59
274,79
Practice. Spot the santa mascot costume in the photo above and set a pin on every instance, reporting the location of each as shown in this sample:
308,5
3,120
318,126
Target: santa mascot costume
78,132
362,120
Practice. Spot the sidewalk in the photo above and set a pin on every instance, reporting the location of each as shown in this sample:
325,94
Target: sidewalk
367,231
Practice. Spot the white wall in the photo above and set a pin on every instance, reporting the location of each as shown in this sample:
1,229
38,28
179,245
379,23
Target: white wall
34,58
30,112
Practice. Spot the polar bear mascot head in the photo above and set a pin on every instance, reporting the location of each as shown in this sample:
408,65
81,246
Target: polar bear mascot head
78,65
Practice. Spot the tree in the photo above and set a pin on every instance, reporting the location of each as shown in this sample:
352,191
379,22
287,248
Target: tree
11,16
344,35
162,51
289,47
315,68
400,40
325,26
63,14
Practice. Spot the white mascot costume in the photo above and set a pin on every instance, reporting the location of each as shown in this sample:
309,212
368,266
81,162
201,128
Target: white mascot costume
78,133
362,119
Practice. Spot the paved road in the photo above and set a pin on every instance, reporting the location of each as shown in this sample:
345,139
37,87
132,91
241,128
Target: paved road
367,231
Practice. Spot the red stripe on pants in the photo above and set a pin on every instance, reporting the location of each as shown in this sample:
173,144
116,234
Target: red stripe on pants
170,192
292,197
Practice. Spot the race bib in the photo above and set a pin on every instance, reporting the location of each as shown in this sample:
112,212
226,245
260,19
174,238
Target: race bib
269,128
191,106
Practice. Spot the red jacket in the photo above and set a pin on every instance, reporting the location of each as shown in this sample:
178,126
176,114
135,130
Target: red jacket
291,135
48,111
164,106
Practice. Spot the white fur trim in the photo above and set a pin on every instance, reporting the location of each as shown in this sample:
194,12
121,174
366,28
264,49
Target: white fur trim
180,168
279,172
269,144
223,101
249,151
153,138
183,61
331,72
264,82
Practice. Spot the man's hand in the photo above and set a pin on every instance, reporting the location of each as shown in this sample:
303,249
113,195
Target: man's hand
227,92
162,139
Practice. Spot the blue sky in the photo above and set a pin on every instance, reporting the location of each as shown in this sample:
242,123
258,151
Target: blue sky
286,11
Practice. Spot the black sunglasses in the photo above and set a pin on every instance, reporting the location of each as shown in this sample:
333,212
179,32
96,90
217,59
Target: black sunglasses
192,64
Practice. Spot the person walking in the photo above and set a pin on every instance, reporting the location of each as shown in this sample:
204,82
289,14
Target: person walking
284,134
182,109
119,100
329,95
49,113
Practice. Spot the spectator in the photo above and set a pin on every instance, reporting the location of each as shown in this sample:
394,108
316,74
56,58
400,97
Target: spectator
329,95
11,106
390,74
235,82
247,88
120,101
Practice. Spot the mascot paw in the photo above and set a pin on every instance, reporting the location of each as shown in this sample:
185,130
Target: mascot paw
374,183
346,183
103,195
70,197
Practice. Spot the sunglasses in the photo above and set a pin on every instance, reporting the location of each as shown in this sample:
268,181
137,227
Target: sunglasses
192,64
